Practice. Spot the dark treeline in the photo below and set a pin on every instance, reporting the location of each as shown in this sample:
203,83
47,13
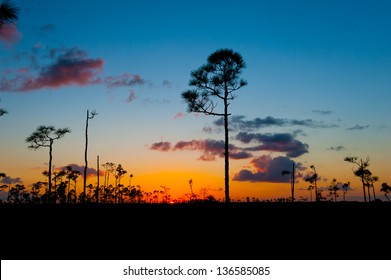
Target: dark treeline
63,188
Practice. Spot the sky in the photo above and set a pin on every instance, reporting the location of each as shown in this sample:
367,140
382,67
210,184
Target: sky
318,91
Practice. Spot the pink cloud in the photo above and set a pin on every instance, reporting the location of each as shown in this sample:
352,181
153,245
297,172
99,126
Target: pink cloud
179,115
161,146
72,67
9,34
68,66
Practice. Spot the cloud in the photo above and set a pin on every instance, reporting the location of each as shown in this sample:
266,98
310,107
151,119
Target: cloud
240,155
268,169
8,180
9,34
91,172
358,127
161,146
48,27
131,96
337,148
147,101
179,115
124,80
239,123
211,149
166,84
322,112
71,67
277,142
66,67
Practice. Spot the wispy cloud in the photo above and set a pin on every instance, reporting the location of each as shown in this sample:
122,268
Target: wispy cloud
131,97
49,27
166,84
239,123
179,115
123,80
358,127
147,101
337,148
322,112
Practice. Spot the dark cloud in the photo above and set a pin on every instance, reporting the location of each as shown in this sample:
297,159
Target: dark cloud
91,172
8,180
358,127
240,155
207,129
239,123
131,97
147,101
337,148
166,84
277,142
322,112
124,80
211,149
268,169
48,27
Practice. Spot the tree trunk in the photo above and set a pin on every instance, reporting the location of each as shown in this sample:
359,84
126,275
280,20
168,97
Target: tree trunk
85,160
293,182
50,170
374,195
363,188
226,150
97,175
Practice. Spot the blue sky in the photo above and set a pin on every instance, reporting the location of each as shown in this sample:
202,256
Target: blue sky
324,63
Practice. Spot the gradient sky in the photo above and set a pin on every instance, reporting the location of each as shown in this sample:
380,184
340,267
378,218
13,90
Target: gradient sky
319,89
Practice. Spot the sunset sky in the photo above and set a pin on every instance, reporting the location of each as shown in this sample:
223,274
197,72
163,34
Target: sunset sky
319,89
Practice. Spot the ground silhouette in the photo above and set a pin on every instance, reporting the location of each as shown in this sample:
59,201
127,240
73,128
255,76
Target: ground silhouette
300,230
